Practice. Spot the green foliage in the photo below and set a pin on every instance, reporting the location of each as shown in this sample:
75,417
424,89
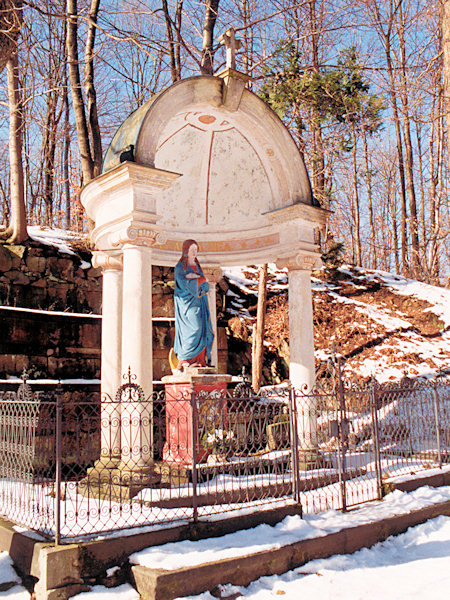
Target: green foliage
334,93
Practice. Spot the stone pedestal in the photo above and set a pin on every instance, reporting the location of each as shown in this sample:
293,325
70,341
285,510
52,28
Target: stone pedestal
207,389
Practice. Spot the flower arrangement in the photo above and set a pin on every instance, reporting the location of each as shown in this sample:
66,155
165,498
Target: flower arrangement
219,441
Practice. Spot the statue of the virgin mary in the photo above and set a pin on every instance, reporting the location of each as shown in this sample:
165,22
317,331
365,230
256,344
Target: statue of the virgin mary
193,331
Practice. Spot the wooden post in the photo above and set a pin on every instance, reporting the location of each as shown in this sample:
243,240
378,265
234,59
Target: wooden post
258,344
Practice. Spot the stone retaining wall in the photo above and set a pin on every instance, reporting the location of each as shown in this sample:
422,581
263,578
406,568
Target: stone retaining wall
55,345
37,276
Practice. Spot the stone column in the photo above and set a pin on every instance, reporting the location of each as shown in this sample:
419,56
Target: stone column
137,415
301,334
301,350
111,365
213,276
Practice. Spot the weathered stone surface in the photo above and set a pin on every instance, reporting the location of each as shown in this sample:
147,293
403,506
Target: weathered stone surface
159,584
63,593
18,277
35,264
163,305
61,268
42,283
5,259
17,250
93,273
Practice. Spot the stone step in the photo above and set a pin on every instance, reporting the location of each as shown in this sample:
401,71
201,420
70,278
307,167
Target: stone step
161,584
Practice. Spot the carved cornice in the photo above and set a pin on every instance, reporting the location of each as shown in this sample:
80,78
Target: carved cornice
212,274
107,261
136,236
300,262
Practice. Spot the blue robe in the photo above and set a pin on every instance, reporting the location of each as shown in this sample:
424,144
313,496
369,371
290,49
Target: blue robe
193,330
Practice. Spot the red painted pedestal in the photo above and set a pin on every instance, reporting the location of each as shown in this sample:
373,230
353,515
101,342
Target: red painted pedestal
210,414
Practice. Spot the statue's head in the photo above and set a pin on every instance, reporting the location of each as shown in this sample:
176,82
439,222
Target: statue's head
189,252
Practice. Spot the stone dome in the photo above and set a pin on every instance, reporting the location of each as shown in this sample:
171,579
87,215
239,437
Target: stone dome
236,164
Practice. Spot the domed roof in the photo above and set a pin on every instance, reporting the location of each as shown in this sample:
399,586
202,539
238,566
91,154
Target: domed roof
237,163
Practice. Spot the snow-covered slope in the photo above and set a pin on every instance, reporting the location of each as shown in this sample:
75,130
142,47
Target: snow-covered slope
383,325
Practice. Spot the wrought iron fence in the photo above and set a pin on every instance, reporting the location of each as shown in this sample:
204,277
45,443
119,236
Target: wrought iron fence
73,466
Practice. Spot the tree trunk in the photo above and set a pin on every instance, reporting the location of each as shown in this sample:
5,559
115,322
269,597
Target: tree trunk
66,147
318,150
174,46
409,164
248,39
211,8
422,228
259,333
66,159
445,26
91,97
374,261
10,24
401,167
357,232
87,163
17,230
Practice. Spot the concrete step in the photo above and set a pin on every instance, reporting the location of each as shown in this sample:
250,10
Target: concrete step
161,584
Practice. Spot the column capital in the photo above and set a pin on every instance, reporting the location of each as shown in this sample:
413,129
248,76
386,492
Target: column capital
137,236
107,261
212,274
299,262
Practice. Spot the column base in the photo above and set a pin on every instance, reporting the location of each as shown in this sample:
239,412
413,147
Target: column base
310,459
172,474
107,462
118,484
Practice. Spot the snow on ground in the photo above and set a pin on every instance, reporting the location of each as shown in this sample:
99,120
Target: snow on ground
9,580
415,565
58,238
98,592
439,297
378,315
292,529
392,345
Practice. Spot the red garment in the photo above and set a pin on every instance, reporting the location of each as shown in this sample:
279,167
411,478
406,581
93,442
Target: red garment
201,279
199,359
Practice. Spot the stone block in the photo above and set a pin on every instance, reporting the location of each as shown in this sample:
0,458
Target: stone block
40,283
94,301
61,268
17,250
93,273
35,264
17,277
62,593
56,566
5,259
163,305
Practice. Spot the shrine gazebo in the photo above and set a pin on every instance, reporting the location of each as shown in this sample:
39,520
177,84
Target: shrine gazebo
206,159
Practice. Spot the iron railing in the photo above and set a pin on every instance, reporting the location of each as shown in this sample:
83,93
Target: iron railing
74,465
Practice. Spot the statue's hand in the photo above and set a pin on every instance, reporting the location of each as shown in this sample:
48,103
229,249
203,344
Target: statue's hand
192,276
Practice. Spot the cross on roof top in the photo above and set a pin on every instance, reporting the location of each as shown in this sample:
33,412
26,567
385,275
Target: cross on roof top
228,39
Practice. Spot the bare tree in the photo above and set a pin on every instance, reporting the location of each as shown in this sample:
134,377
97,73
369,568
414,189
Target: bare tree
207,60
10,23
17,230
88,131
